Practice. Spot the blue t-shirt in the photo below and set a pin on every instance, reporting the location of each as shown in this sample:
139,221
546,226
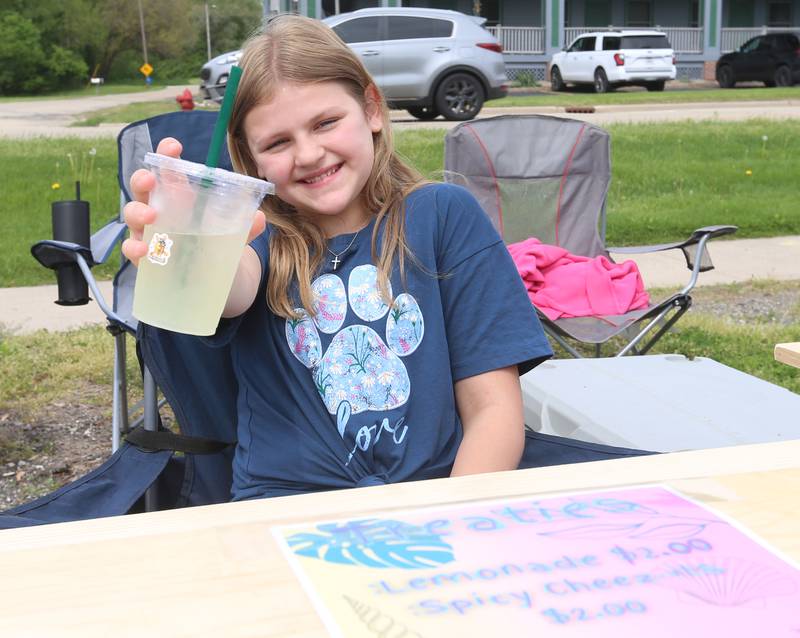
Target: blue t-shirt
362,394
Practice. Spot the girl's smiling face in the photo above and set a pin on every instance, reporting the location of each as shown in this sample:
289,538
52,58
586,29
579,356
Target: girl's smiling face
314,143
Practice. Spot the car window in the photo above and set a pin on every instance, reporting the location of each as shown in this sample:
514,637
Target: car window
588,43
611,42
359,30
407,27
767,44
577,45
783,41
645,42
751,45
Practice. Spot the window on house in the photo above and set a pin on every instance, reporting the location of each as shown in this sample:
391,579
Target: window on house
637,14
779,14
694,14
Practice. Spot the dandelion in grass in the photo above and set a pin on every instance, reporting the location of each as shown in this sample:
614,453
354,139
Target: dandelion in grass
55,186
749,172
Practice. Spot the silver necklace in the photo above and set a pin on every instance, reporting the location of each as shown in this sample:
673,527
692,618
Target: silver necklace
336,261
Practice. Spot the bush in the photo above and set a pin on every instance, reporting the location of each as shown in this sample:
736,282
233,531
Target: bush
180,69
65,69
25,67
21,54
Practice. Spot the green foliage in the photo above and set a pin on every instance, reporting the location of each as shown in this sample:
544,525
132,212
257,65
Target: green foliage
50,45
20,53
27,65
526,79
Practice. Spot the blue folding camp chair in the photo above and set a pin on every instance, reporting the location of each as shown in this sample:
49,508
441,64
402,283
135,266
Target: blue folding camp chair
151,467
142,451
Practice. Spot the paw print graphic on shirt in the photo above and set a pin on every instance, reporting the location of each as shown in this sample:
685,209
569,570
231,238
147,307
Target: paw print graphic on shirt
359,367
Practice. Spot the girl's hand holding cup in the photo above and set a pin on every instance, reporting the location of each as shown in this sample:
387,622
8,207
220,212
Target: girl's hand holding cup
138,213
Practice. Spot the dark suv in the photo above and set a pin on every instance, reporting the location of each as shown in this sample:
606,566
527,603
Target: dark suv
773,59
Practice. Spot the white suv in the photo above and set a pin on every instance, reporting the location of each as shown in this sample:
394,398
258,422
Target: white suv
607,59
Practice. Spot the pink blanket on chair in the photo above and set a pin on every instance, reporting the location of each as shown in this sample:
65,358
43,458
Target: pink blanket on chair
564,285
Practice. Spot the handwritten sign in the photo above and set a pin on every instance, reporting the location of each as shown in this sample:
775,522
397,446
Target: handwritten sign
633,562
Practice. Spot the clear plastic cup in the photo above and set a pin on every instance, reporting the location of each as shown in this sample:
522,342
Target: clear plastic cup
195,244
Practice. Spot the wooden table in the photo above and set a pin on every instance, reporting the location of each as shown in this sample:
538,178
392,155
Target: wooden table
216,571
788,353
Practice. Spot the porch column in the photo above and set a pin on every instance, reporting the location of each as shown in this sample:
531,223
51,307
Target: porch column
554,26
712,32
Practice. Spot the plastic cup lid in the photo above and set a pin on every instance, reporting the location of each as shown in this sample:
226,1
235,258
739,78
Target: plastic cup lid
218,176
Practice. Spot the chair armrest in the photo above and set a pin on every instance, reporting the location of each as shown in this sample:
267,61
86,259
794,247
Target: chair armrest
694,238
51,253
697,239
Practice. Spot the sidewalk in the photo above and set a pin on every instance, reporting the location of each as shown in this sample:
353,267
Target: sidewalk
25,310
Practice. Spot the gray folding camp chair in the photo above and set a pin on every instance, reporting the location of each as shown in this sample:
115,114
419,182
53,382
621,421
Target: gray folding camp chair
547,177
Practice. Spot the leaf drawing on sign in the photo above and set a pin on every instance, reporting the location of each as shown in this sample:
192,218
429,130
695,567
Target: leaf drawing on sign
374,543
731,582
379,623
670,531
599,530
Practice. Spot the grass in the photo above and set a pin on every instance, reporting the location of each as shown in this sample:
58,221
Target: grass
30,168
92,91
134,112
641,96
41,368
668,179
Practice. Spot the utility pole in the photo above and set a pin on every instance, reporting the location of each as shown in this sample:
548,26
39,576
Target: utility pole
141,26
208,34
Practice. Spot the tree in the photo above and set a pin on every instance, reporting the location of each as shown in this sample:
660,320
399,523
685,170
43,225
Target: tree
28,64
231,22
20,52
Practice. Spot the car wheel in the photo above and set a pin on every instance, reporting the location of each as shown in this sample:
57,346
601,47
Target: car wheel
600,81
556,81
655,86
459,97
725,77
423,112
783,76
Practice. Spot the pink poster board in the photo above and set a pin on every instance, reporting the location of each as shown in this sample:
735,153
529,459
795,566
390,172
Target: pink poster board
630,562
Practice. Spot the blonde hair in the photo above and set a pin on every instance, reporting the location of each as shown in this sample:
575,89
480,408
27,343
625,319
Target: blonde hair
299,50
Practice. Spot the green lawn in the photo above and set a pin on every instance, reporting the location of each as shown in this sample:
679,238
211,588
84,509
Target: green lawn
640,96
135,111
668,179
91,91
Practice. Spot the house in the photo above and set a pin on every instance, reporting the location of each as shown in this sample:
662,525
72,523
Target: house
532,30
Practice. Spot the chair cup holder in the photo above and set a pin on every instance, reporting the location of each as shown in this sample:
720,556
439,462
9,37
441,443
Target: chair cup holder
71,224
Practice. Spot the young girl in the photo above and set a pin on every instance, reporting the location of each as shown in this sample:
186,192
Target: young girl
378,326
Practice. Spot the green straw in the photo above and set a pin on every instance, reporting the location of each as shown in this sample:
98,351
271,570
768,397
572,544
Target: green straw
218,136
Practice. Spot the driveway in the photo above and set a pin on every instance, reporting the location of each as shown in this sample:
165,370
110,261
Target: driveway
43,117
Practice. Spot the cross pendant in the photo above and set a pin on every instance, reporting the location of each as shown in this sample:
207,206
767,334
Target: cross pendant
335,261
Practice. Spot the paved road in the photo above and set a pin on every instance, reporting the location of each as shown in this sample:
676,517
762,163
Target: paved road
33,118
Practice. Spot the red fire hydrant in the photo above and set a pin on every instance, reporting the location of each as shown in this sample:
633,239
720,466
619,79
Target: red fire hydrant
185,100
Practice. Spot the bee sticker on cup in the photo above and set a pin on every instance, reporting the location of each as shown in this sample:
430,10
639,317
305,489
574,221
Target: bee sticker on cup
159,250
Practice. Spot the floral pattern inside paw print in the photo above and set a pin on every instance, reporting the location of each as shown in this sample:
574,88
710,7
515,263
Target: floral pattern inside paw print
358,366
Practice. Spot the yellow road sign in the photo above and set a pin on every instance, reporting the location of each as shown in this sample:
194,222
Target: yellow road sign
146,69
